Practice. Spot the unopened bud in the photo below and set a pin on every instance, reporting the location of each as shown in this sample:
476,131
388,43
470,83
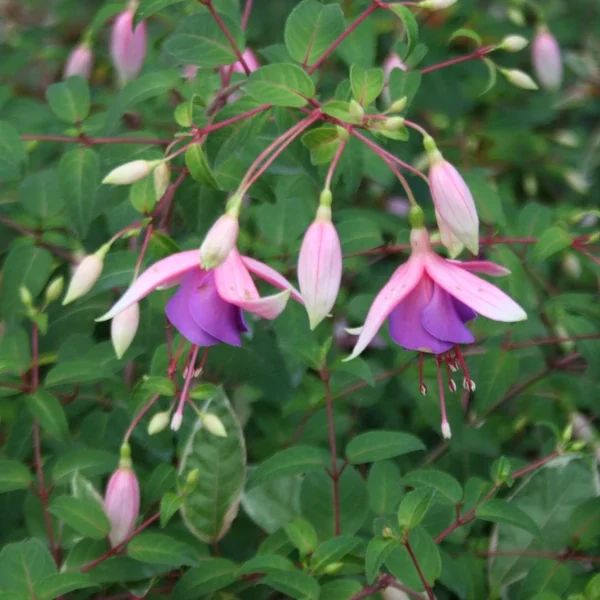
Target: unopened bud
513,43
79,62
436,4
356,111
567,138
577,181
128,46
54,289
131,172
192,479
122,503
342,133
26,297
516,16
213,424
423,389
387,532
219,241
162,178
572,265
123,328
393,124
333,568
530,184
398,105
519,79
86,274
501,470
159,422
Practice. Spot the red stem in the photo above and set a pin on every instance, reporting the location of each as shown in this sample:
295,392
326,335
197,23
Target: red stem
246,15
228,35
479,53
95,140
335,475
139,417
334,163
428,589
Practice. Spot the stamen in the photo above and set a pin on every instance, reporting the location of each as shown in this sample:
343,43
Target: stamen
468,383
445,425
423,389
422,386
451,385
188,373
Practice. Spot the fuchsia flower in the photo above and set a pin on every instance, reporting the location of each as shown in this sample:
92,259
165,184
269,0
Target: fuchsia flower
79,62
250,60
547,60
207,307
429,300
128,46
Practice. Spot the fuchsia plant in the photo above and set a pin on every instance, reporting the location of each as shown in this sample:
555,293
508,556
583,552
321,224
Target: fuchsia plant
128,44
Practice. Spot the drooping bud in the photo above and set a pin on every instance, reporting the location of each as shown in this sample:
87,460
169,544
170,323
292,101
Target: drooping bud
547,60
54,289
127,46
436,4
122,500
519,79
123,328
86,274
159,422
79,62
393,123
398,105
131,172
320,264
250,60
219,241
513,43
453,200
356,111
162,178
571,265
213,424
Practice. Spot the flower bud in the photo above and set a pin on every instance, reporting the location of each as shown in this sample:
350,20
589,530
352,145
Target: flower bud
122,500
25,296
85,276
219,241
452,198
131,172
79,62
547,60
356,111
162,178
192,479
516,16
320,267
513,43
213,424
189,72
127,46
577,181
519,79
54,289
159,422
250,60
436,4
123,328
392,593
393,123
571,265
398,105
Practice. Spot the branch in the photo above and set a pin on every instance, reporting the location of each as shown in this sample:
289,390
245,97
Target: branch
95,140
229,37
427,587
479,53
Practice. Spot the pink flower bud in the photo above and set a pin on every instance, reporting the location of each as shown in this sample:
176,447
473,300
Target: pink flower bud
219,241
122,500
79,62
85,276
320,267
547,60
123,328
189,72
453,200
128,46
393,61
250,60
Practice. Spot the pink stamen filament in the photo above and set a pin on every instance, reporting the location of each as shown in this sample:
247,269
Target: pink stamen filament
463,365
188,379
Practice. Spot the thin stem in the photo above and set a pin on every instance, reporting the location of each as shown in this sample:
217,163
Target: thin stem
246,15
67,139
427,587
232,120
145,243
402,180
335,475
229,37
479,53
342,37
188,379
140,415
416,127
334,163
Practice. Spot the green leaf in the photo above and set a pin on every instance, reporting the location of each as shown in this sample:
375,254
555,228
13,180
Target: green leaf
90,463
143,88
84,515
70,99
12,153
213,574
377,553
13,476
323,143
447,488
24,566
492,75
340,589
79,173
466,33
142,195
147,8
169,505
553,240
291,461
337,109
44,407
76,371
366,84
380,445
385,489
494,374
311,28
501,511
282,84
160,549
40,193
404,84
210,508
410,25
199,41
545,577
332,551
414,506
284,222
303,535
199,168
59,584
162,480
359,234
487,199
265,563
295,584
584,522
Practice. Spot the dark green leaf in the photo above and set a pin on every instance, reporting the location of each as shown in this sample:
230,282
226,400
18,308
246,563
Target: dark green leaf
414,506
213,574
13,476
447,488
160,549
553,240
377,552
266,563
495,373
89,463
59,584
24,566
501,511
44,407
85,516
169,505
70,99
40,193
366,84
380,445
12,153
302,534
281,85
295,584
332,551
323,143
199,168
410,25
147,8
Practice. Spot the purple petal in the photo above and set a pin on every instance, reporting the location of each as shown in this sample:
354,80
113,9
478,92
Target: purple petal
465,313
441,319
210,312
179,313
406,327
